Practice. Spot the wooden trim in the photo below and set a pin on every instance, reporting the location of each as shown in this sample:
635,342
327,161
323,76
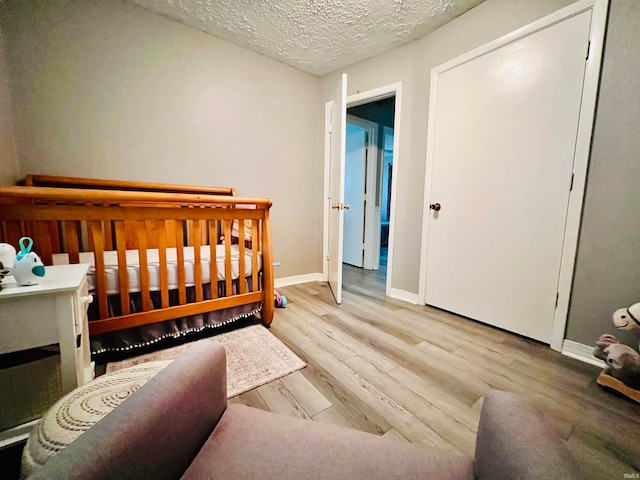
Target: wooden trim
608,381
105,184
88,212
144,318
117,196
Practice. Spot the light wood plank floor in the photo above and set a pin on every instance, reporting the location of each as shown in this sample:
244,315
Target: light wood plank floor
419,374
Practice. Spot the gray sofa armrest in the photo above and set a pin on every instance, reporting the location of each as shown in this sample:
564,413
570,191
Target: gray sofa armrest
157,431
516,441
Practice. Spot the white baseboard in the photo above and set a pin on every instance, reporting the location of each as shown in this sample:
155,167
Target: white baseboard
581,352
403,295
308,277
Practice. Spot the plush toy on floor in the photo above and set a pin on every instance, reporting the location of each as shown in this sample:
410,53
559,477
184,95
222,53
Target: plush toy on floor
280,301
622,372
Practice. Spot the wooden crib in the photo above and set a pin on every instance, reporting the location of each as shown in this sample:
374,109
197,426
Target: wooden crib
151,251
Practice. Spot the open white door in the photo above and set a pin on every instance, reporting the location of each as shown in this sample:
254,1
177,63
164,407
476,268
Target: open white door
336,186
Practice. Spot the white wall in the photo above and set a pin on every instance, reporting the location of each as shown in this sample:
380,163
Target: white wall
9,173
412,66
110,90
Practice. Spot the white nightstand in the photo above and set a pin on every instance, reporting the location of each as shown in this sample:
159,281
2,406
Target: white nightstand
54,311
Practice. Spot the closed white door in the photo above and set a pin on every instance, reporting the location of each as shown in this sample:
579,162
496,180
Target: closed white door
355,181
504,139
336,185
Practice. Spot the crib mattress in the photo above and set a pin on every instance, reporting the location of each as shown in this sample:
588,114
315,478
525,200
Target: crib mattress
133,267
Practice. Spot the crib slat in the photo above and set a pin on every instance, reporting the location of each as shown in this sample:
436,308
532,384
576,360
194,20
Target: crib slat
73,244
213,255
28,229
182,291
171,232
11,232
254,256
42,243
141,237
108,236
258,240
123,274
197,260
228,274
54,236
164,280
101,281
242,281
154,228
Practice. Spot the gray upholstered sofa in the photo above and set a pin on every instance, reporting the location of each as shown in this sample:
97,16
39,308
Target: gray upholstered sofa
178,425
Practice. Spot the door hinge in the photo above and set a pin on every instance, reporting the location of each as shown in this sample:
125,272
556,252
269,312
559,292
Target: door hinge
571,184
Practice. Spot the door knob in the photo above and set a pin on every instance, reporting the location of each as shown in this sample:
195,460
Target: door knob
435,206
340,206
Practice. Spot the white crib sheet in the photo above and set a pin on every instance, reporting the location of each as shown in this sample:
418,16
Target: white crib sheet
133,266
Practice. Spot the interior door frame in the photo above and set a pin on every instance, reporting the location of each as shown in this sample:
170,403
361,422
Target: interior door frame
371,257
581,155
386,91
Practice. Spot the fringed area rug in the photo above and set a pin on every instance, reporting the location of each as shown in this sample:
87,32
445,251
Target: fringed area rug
254,357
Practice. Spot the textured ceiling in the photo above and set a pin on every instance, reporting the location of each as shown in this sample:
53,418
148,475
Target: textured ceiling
313,35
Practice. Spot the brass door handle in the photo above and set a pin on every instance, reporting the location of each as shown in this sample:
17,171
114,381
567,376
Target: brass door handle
435,206
340,206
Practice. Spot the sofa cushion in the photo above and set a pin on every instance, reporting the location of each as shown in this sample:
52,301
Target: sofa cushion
158,430
80,409
516,440
253,444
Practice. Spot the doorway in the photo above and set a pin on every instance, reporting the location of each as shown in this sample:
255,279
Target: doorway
368,180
